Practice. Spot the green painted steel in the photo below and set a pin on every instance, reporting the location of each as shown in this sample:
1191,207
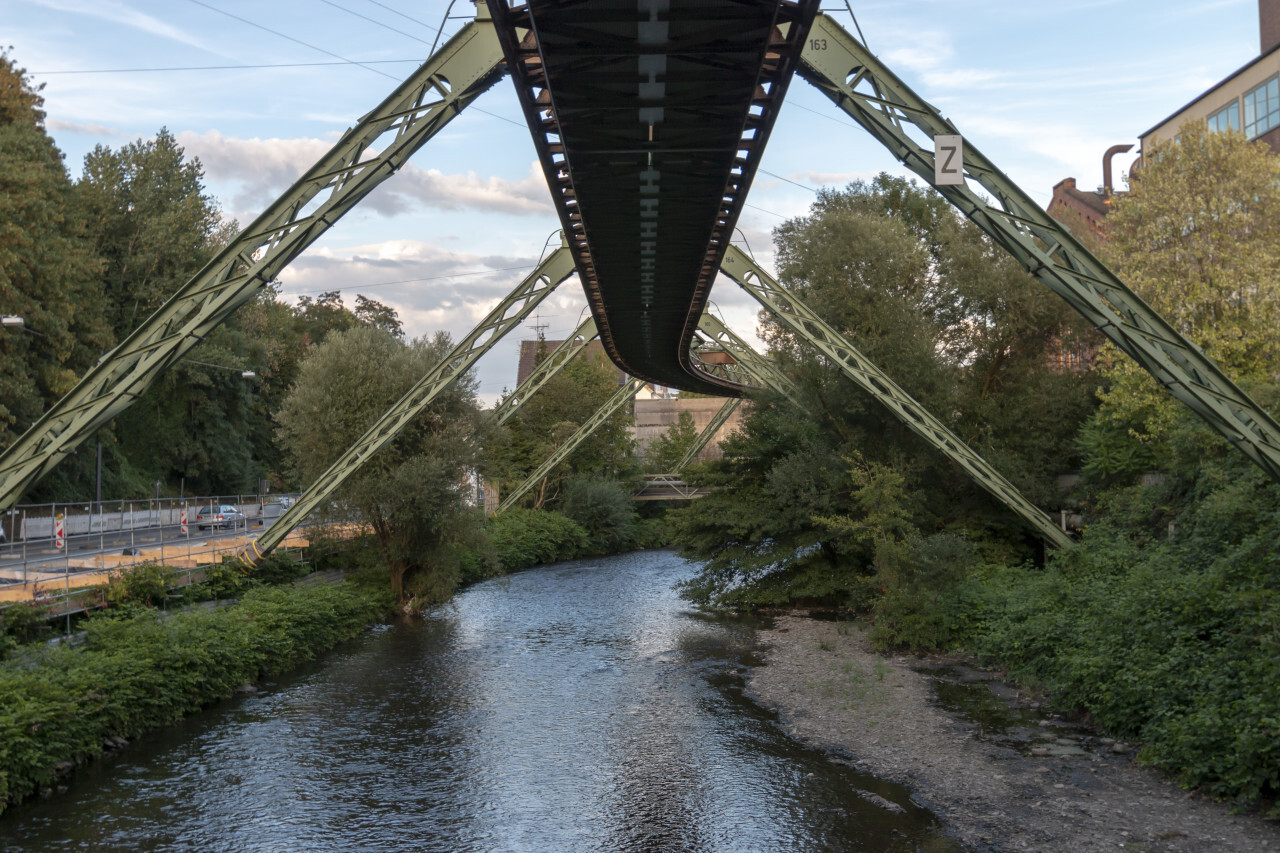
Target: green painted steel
547,368
621,397
466,66
845,71
708,432
797,317
766,373
511,312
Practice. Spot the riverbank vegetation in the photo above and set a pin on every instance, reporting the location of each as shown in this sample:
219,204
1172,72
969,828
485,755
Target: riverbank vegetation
1161,623
139,668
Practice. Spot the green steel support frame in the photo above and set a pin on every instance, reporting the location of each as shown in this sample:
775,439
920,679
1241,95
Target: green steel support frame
620,398
547,368
709,431
511,312
810,327
767,374
846,72
458,73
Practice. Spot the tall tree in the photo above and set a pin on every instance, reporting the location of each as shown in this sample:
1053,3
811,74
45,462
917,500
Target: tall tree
411,492
48,271
1198,237
151,222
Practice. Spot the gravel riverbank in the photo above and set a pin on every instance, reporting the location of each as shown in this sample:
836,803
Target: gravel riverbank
1003,775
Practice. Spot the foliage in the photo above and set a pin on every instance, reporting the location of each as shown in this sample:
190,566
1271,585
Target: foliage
141,585
20,623
411,491
1198,238
49,274
527,537
664,453
605,510
142,671
550,417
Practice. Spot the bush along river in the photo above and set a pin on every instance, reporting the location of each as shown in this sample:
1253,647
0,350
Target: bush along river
575,707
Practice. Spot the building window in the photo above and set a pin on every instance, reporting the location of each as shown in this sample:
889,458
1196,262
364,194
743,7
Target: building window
1227,118
1262,108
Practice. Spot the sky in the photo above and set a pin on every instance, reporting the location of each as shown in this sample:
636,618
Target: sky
258,91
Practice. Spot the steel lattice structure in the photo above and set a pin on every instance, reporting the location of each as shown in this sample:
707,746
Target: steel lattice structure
508,314
620,398
797,317
869,93
369,153
683,95
547,368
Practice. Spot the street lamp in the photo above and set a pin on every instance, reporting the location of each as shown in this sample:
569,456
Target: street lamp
11,321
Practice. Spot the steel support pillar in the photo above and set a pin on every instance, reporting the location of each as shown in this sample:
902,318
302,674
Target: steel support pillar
547,368
766,373
510,313
708,432
865,89
797,317
621,397
458,73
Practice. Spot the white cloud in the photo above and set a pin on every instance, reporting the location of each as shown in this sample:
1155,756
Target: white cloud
119,13
58,126
261,169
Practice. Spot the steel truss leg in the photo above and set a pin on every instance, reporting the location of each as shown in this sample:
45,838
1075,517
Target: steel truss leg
456,75
510,313
704,437
766,373
846,72
620,398
549,367
798,318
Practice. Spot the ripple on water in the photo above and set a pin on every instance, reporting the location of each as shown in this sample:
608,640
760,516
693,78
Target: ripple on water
576,707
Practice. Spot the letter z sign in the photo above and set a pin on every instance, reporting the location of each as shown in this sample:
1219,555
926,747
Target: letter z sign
948,161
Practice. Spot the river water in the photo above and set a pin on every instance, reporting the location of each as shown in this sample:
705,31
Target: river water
575,707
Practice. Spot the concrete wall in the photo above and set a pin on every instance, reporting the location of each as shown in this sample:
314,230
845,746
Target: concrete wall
655,417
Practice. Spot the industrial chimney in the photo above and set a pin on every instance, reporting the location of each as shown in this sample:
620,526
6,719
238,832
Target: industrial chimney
1269,18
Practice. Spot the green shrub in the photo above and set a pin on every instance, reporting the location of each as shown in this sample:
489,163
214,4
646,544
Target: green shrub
605,510
144,670
144,584
527,537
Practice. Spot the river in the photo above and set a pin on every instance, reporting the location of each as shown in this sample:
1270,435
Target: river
575,707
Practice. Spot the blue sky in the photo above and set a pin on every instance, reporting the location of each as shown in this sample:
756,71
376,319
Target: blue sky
1041,88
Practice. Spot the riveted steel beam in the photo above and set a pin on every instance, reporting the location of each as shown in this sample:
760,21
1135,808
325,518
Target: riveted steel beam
458,73
511,312
620,398
865,89
797,317
547,368
708,432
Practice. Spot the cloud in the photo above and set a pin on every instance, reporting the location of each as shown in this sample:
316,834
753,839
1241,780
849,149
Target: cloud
262,169
110,10
59,126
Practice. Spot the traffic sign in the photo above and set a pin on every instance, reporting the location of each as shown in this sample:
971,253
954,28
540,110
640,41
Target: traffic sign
59,539
184,521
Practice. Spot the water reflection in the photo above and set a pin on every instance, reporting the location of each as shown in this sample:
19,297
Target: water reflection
578,707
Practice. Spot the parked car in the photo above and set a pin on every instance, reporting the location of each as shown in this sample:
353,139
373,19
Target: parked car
220,516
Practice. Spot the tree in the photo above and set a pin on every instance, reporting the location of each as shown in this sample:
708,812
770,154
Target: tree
150,221
960,327
1198,238
665,452
552,415
411,493
48,271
